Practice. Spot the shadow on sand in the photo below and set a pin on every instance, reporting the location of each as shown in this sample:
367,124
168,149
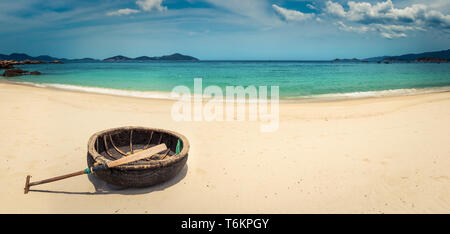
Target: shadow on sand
103,188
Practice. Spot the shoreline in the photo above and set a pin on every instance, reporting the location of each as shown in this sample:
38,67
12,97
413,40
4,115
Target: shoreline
162,95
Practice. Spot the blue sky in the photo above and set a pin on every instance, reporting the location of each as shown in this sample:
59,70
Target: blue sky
224,29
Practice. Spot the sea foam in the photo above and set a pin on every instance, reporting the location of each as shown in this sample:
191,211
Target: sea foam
168,95
107,91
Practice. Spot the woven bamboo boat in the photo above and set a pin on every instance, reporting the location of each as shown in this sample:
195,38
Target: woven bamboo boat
112,144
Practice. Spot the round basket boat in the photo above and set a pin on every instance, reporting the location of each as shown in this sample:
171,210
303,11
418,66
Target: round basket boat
112,144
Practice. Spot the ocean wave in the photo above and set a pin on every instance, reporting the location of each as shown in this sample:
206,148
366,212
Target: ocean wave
107,91
373,94
168,95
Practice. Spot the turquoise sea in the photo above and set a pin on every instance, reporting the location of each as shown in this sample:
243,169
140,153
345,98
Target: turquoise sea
296,80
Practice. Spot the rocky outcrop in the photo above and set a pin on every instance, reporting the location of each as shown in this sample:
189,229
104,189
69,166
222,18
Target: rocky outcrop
18,72
35,73
11,71
56,62
5,65
14,72
33,62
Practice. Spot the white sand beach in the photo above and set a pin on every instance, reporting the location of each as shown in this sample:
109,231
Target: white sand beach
376,155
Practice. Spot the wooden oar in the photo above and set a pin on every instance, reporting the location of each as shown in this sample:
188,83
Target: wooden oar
124,160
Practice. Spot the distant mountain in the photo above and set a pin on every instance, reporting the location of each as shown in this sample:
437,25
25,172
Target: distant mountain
83,60
118,58
375,59
177,57
16,57
144,58
347,60
173,57
443,54
44,58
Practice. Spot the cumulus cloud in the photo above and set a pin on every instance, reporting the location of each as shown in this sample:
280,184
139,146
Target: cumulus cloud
386,13
149,5
125,11
385,18
335,9
436,18
292,15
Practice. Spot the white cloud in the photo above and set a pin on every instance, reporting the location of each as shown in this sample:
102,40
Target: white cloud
398,28
383,17
144,5
125,11
335,9
438,19
386,13
292,15
386,31
392,35
310,6
149,5
361,29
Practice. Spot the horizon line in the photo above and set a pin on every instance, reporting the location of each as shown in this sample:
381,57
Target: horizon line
303,60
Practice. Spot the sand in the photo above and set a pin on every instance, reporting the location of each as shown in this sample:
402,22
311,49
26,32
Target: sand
378,155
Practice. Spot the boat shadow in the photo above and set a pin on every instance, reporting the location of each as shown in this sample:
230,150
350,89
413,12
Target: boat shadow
103,188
